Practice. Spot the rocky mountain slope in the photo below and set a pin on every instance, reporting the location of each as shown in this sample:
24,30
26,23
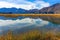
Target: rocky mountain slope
54,9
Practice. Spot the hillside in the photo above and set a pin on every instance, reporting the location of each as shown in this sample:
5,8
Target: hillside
54,9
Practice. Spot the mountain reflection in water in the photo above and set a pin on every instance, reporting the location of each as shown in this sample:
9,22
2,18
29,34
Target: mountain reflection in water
26,24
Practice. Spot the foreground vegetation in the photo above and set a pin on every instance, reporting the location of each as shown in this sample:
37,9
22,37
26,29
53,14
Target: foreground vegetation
31,35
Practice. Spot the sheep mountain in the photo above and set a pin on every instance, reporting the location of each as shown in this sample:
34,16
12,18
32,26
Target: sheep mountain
54,9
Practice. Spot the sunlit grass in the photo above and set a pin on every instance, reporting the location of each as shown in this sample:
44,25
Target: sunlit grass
32,15
31,35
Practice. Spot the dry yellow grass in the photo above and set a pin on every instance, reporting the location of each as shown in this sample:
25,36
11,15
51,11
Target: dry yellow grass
32,15
31,35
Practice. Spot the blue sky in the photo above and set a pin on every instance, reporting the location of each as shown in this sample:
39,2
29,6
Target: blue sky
27,4
52,1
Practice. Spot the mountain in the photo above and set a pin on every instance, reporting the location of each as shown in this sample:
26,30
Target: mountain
33,11
15,10
54,9
12,10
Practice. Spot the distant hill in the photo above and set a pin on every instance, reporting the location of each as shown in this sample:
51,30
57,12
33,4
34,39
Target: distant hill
54,9
12,10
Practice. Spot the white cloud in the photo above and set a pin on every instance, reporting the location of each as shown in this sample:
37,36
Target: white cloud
41,4
24,4
9,5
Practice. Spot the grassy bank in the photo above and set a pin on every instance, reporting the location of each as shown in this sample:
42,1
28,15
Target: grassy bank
32,15
31,35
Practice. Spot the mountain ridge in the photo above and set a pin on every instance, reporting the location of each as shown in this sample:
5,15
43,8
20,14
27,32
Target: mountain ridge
54,9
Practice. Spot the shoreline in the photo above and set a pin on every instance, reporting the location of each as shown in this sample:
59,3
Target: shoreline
32,15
